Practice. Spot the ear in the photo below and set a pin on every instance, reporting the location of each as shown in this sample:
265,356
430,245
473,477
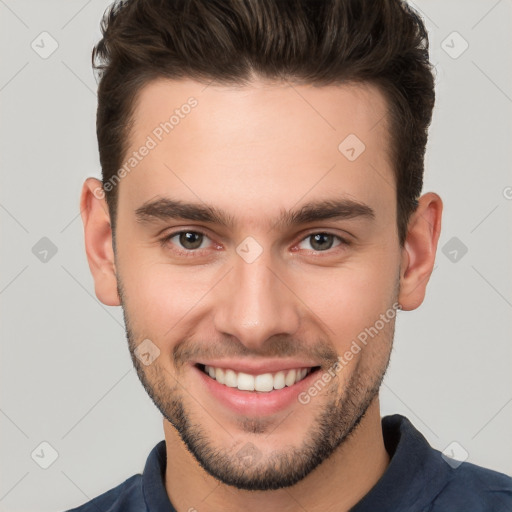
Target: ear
419,251
98,241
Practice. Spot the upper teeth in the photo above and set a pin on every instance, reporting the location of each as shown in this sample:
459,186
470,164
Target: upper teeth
263,382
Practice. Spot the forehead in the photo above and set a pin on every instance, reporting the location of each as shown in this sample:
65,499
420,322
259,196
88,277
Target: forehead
263,145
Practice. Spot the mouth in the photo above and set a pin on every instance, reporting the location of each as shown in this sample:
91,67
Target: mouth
263,388
257,383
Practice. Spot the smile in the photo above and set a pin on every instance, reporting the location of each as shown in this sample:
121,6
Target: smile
264,382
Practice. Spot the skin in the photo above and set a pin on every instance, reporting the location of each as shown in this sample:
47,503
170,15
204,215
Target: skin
252,152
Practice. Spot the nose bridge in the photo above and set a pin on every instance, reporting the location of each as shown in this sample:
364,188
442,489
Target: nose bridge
254,304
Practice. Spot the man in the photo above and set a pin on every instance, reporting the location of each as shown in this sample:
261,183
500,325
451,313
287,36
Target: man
236,139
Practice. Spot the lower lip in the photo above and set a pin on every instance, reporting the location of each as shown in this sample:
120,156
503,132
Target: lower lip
255,403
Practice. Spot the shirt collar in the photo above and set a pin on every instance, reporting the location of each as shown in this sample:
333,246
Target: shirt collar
416,472
153,481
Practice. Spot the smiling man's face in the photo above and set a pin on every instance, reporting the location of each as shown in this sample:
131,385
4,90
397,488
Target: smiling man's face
246,240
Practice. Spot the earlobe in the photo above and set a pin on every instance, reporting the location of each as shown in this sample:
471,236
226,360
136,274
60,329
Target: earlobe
419,251
98,241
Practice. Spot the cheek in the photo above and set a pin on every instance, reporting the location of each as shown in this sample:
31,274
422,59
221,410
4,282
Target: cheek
158,296
348,299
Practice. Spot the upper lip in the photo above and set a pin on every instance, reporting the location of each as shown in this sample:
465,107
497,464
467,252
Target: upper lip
258,367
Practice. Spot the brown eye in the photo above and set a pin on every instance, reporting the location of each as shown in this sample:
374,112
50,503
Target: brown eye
321,242
185,241
190,240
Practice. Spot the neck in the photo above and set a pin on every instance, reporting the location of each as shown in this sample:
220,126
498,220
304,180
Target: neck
337,484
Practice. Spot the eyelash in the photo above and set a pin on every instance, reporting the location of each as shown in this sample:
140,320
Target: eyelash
194,252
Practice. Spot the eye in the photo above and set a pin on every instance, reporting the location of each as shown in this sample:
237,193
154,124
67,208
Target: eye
322,242
188,240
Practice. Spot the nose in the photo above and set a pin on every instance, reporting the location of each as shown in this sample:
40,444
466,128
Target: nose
255,303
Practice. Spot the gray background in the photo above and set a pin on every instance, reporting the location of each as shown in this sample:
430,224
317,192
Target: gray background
66,376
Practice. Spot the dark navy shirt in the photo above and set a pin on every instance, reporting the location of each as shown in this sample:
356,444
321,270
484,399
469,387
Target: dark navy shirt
417,479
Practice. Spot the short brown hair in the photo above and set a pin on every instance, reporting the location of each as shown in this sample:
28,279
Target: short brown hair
321,42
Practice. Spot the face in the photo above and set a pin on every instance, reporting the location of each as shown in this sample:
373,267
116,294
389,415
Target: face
253,250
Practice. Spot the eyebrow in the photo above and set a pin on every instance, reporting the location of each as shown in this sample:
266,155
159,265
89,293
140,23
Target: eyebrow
329,209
